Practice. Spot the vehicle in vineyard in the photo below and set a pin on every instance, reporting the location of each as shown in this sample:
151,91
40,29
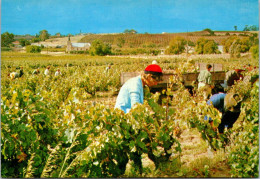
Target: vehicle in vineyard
188,79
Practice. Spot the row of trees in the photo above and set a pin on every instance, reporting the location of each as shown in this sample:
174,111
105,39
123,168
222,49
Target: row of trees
248,28
251,28
233,45
7,38
203,46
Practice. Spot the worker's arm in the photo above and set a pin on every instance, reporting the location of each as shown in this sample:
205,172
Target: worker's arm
135,98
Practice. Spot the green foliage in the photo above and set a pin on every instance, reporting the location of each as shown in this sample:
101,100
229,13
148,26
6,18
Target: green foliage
176,46
205,46
33,49
210,31
255,51
36,39
235,45
132,31
253,39
24,42
210,47
79,52
6,49
7,39
27,129
250,28
99,48
49,125
244,151
44,35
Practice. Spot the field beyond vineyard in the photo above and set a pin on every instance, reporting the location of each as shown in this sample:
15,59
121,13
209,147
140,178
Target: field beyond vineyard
66,126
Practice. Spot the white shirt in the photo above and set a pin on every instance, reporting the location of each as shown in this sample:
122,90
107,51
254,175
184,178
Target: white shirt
57,73
47,72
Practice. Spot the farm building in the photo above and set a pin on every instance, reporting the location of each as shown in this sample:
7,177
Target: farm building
77,46
16,44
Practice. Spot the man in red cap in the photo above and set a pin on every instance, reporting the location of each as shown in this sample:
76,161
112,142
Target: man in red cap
132,91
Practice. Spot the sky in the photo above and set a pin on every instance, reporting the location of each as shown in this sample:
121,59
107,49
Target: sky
22,17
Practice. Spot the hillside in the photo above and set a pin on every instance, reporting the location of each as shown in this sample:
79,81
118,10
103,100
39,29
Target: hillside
158,40
128,41
61,41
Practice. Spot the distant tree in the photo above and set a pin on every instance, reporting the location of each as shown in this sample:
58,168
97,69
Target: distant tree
132,31
200,45
245,44
58,34
246,28
232,43
205,46
255,51
253,39
210,47
235,49
210,31
7,39
227,43
250,28
44,35
99,48
235,27
254,28
33,49
189,45
24,42
176,46
36,39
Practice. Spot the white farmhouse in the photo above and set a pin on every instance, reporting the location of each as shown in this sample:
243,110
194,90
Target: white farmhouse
77,46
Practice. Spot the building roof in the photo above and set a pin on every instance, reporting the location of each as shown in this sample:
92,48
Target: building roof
16,42
80,44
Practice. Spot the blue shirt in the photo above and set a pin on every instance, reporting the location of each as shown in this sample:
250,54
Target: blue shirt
217,100
131,92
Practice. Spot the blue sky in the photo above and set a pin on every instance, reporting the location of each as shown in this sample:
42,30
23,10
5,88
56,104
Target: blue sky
113,16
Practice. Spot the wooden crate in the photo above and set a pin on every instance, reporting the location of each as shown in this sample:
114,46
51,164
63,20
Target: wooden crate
188,78
127,75
215,66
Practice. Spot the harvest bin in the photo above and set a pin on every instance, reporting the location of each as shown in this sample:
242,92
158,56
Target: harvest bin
218,77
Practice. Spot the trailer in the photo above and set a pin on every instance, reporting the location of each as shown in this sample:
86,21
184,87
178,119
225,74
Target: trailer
187,79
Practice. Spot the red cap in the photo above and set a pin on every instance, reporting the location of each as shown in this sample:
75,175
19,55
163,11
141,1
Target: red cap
239,70
153,69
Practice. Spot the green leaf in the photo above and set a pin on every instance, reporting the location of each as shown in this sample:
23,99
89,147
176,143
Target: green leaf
132,144
141,144
142,135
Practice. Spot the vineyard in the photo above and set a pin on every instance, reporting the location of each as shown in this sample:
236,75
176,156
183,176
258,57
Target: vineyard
157,40
66,126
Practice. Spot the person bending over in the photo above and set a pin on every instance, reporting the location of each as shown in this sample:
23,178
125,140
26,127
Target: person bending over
132,92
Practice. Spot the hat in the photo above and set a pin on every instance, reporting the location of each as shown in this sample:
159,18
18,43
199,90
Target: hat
239,70
153,69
